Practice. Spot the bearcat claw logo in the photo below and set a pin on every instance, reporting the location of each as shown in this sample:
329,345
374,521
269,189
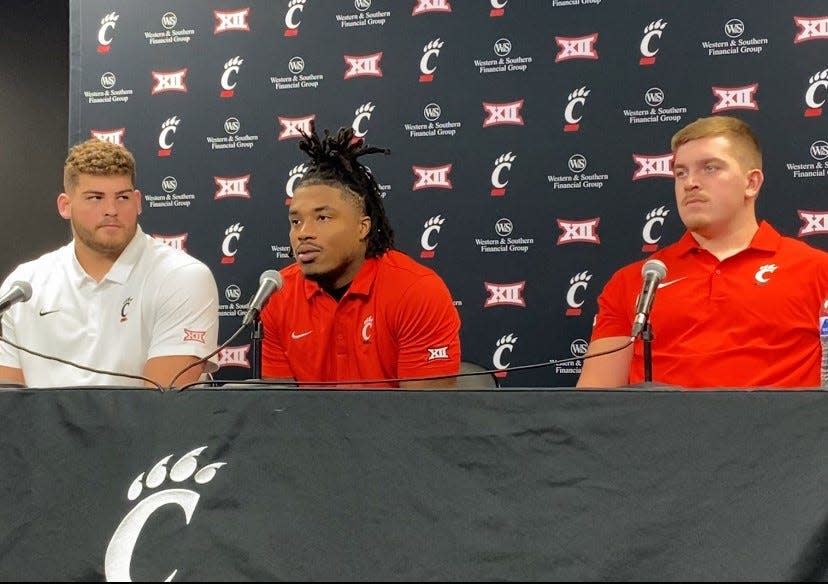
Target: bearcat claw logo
122,545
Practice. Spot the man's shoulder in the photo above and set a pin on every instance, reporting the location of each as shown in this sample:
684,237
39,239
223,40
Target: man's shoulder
801,249
396,264
45,266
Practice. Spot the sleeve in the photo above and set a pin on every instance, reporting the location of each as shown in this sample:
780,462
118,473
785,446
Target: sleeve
186,315
427,330
615,308
275,363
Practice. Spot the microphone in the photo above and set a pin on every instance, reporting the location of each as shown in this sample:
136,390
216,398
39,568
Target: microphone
653,272
269,282
20,291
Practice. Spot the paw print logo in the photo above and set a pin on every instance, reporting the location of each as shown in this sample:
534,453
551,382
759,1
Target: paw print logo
657,25
648,46
502,164
171,123
504,344
165,137
234,229
434,45
821,76
228,81
659,212
365,108
293,17
432,227
435,222
107,25
577,284
110,18
650,233
506,159
234,63
428,63
294,175
362,114
760,275
817,81
584,277
580,93
122,545
228,246
575,100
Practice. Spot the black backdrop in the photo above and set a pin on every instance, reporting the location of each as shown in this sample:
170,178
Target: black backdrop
566,107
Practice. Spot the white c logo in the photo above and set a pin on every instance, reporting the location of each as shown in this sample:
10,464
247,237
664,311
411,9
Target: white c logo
119,552
102,40
569,112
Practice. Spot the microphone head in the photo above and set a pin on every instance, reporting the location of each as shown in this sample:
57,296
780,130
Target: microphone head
25,289
274,276
655,267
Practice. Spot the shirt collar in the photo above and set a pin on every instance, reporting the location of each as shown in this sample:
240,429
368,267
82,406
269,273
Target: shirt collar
766,238
361,284
123,266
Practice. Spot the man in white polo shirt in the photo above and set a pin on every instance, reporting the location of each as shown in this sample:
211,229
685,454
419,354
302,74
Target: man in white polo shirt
112,299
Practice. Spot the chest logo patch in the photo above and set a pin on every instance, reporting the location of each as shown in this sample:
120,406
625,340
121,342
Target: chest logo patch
761,275
125,309
367,325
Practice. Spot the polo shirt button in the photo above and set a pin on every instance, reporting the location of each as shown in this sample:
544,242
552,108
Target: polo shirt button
718,272
339,337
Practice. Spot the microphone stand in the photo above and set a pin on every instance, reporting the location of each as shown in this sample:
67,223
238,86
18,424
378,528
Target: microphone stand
647,338
256,347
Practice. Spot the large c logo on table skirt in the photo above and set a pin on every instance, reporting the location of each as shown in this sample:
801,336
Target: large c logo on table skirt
122,545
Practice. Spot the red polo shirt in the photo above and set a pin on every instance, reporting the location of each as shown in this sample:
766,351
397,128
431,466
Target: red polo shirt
748,321
397,320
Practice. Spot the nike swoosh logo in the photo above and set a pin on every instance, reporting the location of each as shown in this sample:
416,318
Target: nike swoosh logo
295,336
45,312
671,282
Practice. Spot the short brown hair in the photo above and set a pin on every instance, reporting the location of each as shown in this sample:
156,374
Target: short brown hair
98,158
741,136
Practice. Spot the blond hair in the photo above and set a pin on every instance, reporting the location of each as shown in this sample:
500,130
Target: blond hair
741,136
97,158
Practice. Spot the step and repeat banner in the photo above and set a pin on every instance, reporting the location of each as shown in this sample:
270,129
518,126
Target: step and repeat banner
530,140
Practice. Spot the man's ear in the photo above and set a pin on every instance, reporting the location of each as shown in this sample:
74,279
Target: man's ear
64,205
755,179
364,227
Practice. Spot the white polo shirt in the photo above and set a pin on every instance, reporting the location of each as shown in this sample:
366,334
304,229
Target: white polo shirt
155,301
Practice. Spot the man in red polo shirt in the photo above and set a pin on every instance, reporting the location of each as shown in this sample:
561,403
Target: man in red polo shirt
353,310
740,304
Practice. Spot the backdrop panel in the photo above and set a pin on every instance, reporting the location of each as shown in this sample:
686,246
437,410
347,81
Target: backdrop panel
530,140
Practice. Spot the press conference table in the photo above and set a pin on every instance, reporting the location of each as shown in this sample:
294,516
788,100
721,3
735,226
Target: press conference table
392,485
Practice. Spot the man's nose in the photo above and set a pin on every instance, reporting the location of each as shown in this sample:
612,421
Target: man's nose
690,181
305,230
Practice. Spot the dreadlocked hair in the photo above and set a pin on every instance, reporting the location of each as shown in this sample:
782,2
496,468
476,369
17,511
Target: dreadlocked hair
333,162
